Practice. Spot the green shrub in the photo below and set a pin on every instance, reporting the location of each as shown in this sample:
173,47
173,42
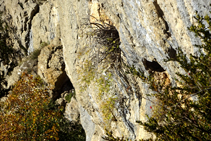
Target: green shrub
104,84
72,132
34,55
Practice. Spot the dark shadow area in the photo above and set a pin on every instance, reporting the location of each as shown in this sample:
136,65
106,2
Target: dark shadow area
67,86
73,132
62,85
8,55
153,66
172,53
161,15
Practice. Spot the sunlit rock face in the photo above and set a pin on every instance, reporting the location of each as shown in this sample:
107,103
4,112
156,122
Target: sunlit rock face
149,32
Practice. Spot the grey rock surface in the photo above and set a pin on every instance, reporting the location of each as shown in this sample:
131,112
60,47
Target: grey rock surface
149,30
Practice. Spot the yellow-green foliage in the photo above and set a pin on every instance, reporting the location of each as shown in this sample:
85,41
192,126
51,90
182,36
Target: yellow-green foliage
90,76
25,114
107,107
104,84
87,74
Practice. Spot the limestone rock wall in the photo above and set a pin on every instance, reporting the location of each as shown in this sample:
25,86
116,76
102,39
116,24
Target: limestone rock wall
149,32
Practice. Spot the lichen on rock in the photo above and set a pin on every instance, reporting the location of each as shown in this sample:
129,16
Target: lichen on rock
149,31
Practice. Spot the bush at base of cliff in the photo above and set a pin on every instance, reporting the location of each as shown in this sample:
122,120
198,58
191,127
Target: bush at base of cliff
25,114
186,108
28,113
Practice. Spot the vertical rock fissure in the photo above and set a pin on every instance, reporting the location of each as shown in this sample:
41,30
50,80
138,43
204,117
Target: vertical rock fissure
128,124
33,14
161,15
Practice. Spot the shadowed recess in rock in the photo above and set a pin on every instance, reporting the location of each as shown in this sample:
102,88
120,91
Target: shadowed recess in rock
63,85
172,53
153,66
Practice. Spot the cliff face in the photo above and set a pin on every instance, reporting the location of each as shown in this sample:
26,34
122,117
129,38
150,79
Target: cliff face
149,32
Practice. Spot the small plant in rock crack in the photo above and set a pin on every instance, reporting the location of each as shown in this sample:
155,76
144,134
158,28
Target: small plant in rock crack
107,43
107,107
34,55
104,52
69,96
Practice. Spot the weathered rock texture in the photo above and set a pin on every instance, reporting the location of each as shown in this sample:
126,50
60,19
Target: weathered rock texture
149,32
51,66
